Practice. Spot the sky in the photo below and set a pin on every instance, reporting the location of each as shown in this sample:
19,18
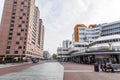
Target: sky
60,17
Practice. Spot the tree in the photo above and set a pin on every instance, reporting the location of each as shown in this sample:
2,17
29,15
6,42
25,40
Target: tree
54,56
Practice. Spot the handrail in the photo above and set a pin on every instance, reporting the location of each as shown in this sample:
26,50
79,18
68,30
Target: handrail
104,48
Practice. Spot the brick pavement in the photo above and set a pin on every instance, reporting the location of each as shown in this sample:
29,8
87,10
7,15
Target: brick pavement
86,75
75,66
16,68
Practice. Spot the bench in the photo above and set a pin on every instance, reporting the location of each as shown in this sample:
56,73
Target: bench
110,68
116,66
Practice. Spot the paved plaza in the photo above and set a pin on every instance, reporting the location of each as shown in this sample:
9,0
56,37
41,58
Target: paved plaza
44,71
55,71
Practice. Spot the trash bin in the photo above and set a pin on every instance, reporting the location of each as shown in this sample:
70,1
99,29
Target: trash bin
96,67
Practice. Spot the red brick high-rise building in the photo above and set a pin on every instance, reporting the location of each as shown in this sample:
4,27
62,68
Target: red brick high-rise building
20,31
41,31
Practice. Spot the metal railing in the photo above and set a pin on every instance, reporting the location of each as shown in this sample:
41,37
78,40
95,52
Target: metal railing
104,48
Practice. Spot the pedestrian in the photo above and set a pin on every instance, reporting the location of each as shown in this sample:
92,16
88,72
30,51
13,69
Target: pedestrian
96,67
102,67
111,67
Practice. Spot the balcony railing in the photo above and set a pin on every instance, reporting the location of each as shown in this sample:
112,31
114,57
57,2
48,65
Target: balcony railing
104,49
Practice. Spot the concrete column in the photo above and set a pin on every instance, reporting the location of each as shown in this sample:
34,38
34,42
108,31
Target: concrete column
119,58
73,59
70,59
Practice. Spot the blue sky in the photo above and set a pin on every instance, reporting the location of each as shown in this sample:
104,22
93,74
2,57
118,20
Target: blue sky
60,17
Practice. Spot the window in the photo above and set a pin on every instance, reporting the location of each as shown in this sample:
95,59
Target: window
110,41
27,14
113,40
14,7
21,10
20,26
13,13
24,14
14,10
8,47
16,52
7,52
23,52
12,25
12,21
21,38
20,17
18,34
23,21
15,2
116,40
25,7
25,34
105,41
22,2
10,33
33,42
10,38
24,47
13,17
11,29
17,42
28,6
20,47
9,43
24,43
27,18
22,29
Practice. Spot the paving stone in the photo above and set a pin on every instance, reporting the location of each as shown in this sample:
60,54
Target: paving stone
45,71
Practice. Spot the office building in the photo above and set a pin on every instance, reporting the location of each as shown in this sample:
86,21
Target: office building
95,43
66,43
83,33
20,31
88,34
62,51
102,43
